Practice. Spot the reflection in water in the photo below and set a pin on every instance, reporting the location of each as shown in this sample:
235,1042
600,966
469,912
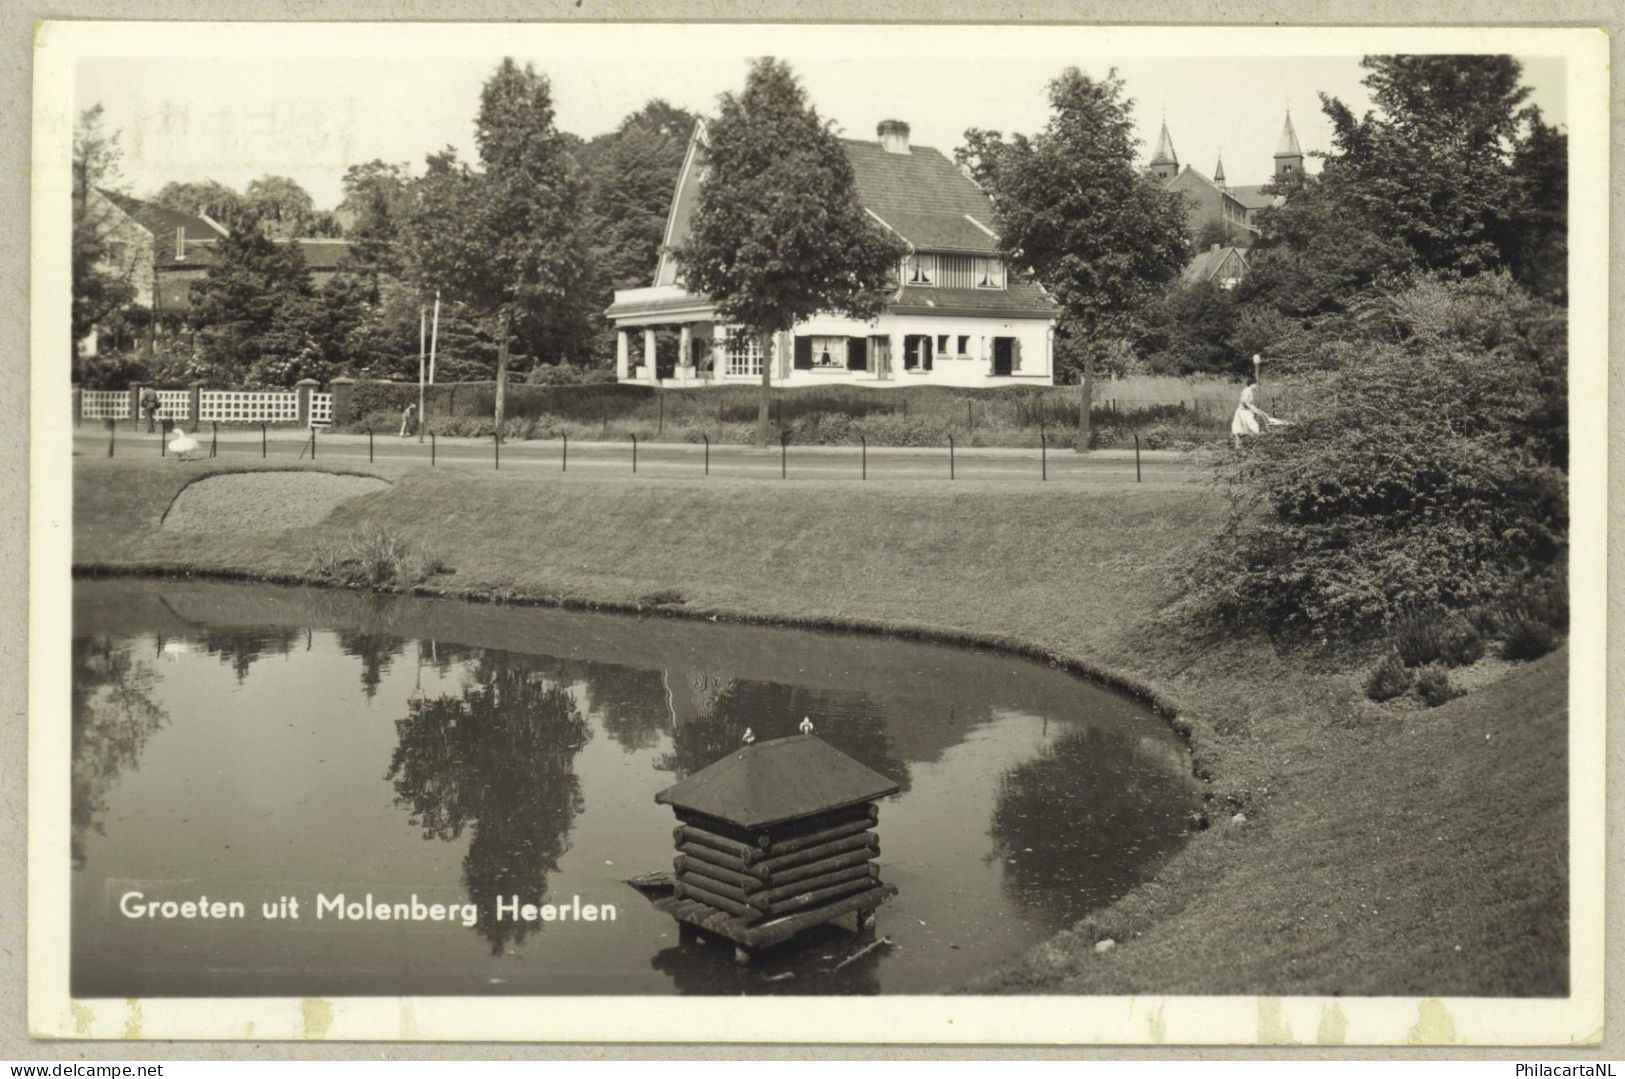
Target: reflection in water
1083,822
1028,798
498,760
375,651
724,711
113,716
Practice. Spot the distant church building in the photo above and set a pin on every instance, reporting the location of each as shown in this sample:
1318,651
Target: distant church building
1212,201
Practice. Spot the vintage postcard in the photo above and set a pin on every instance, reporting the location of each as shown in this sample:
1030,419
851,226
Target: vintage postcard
656,532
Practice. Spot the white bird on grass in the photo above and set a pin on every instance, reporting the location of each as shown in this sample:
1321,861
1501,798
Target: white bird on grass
750,736
806,726
183,445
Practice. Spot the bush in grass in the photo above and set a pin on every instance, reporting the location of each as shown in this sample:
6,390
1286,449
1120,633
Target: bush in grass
1433,686
1433,635
1388,679
1427,468
374,558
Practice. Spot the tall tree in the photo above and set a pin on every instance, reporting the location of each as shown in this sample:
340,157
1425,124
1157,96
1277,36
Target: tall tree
284,209
103,265
1074,209
778,235
507,239
208,197
377,202
1451,173
255,311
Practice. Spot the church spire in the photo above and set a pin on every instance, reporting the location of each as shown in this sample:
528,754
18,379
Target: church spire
1218,171
1288,154
1164,162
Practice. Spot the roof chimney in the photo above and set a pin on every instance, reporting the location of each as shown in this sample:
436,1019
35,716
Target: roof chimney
893,136
180,242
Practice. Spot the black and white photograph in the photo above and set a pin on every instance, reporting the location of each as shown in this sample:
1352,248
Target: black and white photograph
1095,531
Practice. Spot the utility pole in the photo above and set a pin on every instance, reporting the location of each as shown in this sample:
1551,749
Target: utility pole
423,329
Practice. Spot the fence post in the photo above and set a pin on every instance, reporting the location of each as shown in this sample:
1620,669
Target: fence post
1136,458
1043,456
707,440
111,423
950,456
135,406
970,417
660,425
78,405
496,449
304,388
369,445
431,449
195,405
163,445
313,443
262,439
634,453
214,443
564,454
343,398
865,473
784,454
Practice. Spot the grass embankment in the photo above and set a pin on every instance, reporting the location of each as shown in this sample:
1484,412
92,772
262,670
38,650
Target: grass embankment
1385,851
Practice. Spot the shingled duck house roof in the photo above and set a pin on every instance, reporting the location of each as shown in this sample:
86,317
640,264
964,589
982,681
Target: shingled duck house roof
772,782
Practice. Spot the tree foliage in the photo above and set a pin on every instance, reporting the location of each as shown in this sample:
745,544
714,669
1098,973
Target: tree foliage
1426,468
102,262
778,235
1451,174
1074,209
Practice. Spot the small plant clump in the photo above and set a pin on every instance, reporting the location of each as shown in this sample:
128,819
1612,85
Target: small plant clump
374,558
1434,636
1433,686
1389,678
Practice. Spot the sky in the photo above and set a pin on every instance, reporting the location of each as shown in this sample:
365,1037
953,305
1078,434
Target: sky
232,106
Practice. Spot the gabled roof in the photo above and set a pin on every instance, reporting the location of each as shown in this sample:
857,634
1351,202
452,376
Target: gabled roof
1018,298
162,222
1253,197
923,196
1208,264
781,780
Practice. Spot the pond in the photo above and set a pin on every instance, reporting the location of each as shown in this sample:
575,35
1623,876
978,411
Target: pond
246,754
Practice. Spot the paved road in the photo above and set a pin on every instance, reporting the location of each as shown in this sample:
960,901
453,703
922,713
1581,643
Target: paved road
667,459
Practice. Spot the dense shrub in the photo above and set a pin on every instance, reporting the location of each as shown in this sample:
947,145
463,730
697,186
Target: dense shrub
1426,469
1531,621
374,558
1388,679
1433,687
1433,635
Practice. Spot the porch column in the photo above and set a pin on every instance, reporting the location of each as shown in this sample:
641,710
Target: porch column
685,346
649,369
623,356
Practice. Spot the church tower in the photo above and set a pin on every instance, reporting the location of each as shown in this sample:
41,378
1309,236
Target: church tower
1288,154
1165,163
1218,172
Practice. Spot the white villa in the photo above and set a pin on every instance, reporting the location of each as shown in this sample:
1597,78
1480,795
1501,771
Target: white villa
958,318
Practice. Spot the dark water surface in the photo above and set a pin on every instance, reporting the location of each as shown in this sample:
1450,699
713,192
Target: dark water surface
250,743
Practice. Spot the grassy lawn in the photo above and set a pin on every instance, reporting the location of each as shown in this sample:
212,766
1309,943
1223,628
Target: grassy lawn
1384,851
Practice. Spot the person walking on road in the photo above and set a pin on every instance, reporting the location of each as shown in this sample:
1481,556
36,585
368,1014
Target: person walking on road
1246,419
409,420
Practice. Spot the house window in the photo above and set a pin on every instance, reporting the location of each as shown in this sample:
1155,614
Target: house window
920,270
990,273
744,353
829,352
917,352
964,345
942,345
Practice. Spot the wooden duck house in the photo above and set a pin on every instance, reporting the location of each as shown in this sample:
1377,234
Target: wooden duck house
775,838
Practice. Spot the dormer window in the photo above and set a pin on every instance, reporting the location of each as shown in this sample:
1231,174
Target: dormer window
920,270
989,273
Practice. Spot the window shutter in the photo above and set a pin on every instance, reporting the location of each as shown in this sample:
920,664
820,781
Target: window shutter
1015,353
803,354
857,354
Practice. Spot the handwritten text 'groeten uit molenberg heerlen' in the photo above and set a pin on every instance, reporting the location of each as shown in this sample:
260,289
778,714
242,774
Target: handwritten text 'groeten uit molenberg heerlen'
135,905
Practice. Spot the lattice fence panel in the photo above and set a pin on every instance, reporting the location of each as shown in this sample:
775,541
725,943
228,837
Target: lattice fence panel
177,404
321,408
248,406
104,404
